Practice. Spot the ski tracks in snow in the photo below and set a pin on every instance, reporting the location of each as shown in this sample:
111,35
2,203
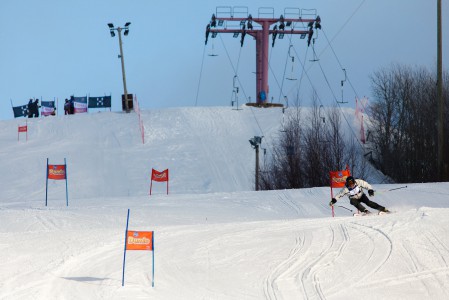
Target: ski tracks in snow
299,275
308,270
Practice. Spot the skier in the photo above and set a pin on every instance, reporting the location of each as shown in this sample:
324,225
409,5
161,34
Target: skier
354,190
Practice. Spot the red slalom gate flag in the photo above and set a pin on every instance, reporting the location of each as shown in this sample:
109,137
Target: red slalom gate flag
56,172
23,128
159,177
338,178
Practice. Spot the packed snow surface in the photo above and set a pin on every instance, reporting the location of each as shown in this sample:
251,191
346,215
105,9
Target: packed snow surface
214,236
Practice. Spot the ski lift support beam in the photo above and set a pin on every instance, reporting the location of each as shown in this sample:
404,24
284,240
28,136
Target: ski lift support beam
261,35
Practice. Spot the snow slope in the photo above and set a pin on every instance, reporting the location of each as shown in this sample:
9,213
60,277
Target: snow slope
215,238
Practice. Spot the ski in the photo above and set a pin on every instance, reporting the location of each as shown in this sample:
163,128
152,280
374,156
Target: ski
380,213
361,214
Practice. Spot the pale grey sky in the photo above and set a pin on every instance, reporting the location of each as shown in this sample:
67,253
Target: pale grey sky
52,49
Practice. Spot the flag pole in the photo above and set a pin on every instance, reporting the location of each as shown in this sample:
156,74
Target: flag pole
66,188
152,243
124,253
46,184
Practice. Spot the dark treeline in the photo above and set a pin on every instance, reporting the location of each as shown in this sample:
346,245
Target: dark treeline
404,120
309,148
402,135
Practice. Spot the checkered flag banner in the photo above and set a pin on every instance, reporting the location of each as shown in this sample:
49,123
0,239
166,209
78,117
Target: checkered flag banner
99,102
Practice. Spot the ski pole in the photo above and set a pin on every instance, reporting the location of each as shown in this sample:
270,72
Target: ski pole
345,208
402,187
398,188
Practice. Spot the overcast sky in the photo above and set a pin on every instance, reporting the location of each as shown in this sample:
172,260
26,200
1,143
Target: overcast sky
52,49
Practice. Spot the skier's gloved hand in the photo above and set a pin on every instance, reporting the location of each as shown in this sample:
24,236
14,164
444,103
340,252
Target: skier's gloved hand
371,192
333,201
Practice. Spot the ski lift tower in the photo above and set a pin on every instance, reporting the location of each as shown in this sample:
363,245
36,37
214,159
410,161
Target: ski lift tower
238,21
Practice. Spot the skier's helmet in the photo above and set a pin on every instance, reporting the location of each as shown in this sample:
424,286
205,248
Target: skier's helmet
350,180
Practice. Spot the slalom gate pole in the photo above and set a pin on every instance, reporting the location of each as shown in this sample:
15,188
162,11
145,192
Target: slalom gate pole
46,184
332,196
124,253
152,243
66,188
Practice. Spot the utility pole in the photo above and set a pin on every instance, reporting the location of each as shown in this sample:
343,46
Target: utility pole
119,30
442,162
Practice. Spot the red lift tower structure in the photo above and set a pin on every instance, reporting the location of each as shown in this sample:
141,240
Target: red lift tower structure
237,21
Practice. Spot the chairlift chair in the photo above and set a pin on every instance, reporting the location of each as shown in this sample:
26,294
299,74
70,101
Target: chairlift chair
212,53
342,83
293,63
315,57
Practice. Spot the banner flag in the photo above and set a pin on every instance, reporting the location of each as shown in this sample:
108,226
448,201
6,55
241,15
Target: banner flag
99,102
362,133
23,128
139,240
47,108
159,176
338,180
20,111
56,172
79,104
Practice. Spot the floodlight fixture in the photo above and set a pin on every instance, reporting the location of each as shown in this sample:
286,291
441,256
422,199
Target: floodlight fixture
255,142
111,25
127,24
126,31
112,33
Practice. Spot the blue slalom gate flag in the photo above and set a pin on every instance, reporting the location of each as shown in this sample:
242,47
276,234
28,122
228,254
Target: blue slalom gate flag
99,102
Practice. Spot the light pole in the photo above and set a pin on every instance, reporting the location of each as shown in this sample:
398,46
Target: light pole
119,30
442,163
255,142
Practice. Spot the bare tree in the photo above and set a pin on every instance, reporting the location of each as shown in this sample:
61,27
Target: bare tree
308,149
403,120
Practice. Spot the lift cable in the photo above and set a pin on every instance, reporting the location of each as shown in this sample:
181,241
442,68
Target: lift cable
346,77
233,68
303,71
243,90
199,80
320,101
